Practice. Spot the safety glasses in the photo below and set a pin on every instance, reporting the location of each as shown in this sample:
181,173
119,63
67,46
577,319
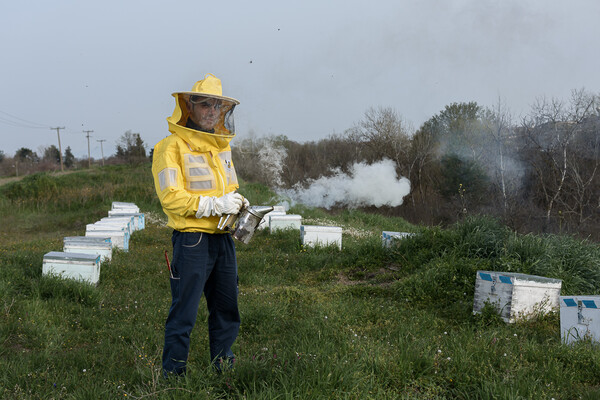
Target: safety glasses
204,102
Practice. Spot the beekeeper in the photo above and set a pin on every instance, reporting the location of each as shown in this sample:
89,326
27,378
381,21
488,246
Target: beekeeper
196,183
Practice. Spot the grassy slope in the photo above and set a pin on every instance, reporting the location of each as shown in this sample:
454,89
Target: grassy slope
366,322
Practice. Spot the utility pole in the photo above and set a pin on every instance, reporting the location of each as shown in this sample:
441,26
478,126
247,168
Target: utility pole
102,149
88,138
58,128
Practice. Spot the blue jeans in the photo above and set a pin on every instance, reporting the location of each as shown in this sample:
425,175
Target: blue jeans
202,263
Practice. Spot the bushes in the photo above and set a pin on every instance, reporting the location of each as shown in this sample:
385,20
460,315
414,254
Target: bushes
439,266
81,190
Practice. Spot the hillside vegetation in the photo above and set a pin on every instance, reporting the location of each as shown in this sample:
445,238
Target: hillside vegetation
367,322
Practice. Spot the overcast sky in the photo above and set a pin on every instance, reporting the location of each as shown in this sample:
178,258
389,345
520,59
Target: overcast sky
304,69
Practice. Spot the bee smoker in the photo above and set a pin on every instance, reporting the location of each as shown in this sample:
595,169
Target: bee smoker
243,224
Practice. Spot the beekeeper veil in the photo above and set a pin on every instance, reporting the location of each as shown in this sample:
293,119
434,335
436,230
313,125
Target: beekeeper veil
205,109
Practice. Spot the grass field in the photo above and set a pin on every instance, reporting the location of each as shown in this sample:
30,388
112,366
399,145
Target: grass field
366,322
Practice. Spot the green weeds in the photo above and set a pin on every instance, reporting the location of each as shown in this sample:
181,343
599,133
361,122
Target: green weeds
366,322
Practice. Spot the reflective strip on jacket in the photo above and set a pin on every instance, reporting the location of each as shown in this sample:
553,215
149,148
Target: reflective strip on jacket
189,164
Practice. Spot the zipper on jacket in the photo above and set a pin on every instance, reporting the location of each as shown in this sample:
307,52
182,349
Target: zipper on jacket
219,172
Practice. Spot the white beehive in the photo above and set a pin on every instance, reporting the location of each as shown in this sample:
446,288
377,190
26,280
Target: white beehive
514,295
313,235
78,266
119,236
128,221
280,222
100,246
130,207
388,238
264,223
579,318
139,218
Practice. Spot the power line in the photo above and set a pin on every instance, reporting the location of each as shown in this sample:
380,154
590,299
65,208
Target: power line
19,122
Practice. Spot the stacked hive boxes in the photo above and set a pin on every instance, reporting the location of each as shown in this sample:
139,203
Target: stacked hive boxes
82,255
282,222
516,296
277,210
89,245
78,266
313,235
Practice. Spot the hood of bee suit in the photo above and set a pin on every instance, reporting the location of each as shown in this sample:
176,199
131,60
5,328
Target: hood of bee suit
209,88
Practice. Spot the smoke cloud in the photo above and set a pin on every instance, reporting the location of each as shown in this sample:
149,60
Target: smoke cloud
366,185
272,159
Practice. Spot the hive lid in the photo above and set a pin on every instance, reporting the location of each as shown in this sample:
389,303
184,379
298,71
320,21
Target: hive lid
60,255
72,246
320,228
106,227
515,277
122,204
86,239
286,217
584,301
123,213
107,231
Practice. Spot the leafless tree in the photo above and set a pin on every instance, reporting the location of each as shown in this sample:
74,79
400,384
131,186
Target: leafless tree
550,128
386,134
499,153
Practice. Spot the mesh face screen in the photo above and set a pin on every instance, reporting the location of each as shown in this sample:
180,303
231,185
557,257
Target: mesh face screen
228,120
202,106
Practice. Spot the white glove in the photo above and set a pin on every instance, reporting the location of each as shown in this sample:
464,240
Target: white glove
231,203
246,203
227,204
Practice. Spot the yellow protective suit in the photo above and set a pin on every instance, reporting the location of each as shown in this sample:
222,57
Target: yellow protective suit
191,163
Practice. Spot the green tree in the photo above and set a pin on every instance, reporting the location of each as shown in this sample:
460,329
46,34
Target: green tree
26,155
131,148
462,178
458,130
451,146
69,159
52,154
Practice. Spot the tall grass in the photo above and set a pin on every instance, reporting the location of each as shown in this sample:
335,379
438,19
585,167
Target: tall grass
366,322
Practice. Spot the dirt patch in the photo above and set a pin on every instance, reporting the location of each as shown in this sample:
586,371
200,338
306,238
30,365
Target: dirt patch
4,181
382,277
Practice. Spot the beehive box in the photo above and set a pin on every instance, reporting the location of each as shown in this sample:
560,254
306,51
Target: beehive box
130,207
100,246
279,209
313,235
265,222
110,225
514,295
280,222
119,237
579,318
128,221
139,218
388,238
78,266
